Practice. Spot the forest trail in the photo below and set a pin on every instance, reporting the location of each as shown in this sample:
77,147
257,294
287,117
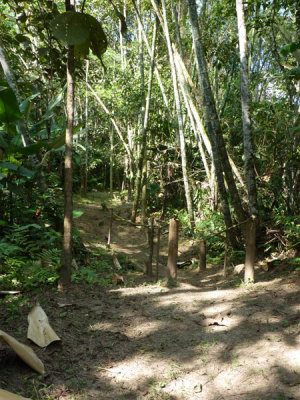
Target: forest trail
127,240
208,338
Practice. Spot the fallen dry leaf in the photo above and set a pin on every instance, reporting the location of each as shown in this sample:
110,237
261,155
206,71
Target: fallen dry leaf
5,395
24,352
39,329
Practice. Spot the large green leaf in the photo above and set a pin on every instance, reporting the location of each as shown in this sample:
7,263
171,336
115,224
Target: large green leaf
55,102
43,144
15,167
25,104
28,150
97,36
3,142
82,50
26,172
71,28
81,30
289,48
77,213
9,108
9,165
293,73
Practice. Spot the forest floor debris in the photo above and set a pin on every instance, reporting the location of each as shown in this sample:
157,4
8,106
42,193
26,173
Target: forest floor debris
209,337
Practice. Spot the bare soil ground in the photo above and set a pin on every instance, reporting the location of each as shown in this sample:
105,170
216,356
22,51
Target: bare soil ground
207,338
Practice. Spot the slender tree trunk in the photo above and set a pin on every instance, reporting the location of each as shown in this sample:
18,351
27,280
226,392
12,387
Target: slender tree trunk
144,193
111,162
66,269
86,129
250,251
202,255
193,114
142,153
164,23
142,168
214,130
248,145
156,71
227,91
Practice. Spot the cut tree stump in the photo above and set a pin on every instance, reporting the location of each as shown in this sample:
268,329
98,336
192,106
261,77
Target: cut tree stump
173,249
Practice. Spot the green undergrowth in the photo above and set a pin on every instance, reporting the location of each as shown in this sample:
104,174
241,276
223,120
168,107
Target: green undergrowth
101,270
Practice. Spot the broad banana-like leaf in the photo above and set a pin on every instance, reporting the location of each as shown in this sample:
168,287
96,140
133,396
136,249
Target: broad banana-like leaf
24,352
56,143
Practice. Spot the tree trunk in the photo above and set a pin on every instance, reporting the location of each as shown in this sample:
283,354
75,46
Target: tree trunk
142,168
87,130
187,190
173,249
144,193
250,251
111,162
202,255
66,269
142,154
157,74
151,238
248,145
214,130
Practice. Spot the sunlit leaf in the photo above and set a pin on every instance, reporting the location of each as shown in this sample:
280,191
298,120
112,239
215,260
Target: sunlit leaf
77,213
26,102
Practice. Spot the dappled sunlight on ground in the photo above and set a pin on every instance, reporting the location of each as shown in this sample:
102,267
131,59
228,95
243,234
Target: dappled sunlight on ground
208,338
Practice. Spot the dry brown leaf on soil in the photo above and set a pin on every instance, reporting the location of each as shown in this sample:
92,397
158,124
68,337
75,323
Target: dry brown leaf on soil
116,262
5,395
24,352
118,279
39,329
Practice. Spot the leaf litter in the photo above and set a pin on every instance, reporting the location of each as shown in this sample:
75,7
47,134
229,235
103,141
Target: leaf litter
202,339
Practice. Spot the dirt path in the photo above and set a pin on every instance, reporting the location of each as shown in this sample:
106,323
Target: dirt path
204,339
